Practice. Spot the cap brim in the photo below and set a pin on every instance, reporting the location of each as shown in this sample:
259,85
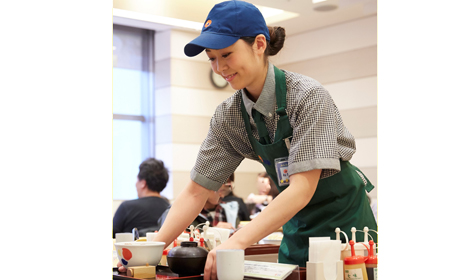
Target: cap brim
209,41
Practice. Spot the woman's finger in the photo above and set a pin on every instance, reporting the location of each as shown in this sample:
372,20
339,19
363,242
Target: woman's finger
214,270
210,262
121,268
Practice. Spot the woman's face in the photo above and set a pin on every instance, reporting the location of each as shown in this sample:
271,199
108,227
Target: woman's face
239,64
215,198
263,184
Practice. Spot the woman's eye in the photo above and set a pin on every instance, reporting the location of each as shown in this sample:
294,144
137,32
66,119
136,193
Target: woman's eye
225,55
211,59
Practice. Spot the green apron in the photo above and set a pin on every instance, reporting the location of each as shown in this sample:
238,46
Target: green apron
339,200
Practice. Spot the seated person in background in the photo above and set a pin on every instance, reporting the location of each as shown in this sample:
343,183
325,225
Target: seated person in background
267,191
219,214
143,213
243,212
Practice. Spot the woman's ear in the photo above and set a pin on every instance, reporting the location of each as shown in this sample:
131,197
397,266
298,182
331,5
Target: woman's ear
260,44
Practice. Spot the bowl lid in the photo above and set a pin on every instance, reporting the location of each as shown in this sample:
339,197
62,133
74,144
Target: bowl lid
188,249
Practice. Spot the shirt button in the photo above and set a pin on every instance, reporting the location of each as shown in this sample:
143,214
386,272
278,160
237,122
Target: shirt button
270,115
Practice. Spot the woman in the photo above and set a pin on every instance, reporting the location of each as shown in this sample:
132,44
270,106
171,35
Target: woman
286,121
267,192
229,196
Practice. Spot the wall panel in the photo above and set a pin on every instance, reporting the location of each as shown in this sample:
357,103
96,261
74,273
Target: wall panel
329,40
338,67
356,93
366,152
197,101
189,129
361,122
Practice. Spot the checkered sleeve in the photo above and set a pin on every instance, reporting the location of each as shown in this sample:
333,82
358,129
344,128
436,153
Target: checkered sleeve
217,158
318,140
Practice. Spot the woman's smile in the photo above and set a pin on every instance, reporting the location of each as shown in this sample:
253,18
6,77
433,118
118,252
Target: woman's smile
229,78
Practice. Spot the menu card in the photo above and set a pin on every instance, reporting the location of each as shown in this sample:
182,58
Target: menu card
268,270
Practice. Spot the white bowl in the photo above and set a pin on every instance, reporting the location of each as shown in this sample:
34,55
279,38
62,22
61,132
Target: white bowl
139,253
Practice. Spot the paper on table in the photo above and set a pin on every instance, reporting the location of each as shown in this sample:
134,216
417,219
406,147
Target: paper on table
268,270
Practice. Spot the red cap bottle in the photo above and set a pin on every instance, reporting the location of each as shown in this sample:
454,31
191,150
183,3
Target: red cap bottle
354,267
371,262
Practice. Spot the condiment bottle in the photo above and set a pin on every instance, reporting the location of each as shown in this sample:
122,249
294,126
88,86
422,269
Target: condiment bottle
164,259
354,267
371,263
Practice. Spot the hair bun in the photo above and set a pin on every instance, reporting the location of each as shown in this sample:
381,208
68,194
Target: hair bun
277,37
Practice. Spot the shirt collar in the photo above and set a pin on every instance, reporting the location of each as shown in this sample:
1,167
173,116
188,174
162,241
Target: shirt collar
265,104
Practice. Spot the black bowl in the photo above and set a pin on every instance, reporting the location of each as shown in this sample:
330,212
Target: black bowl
187,259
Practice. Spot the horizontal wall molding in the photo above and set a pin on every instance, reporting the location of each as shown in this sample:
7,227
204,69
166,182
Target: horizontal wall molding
128,117
334,39
338,67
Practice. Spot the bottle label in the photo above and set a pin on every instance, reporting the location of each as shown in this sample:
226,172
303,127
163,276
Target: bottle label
354,274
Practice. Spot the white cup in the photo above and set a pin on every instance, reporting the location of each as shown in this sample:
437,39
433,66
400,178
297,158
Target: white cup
151,235
230,264
124,237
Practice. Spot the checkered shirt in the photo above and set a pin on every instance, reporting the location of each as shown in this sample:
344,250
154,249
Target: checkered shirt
216,217
319,140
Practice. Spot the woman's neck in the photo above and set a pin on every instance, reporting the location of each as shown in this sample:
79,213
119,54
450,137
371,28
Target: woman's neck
255,89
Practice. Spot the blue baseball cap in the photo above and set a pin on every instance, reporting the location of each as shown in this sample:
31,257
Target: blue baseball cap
226,23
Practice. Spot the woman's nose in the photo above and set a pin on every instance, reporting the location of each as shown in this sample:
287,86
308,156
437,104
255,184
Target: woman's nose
220,65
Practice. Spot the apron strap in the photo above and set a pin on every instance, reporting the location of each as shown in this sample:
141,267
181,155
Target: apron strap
280,80
264,139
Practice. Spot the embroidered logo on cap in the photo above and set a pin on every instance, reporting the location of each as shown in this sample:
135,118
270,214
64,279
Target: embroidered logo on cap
208,23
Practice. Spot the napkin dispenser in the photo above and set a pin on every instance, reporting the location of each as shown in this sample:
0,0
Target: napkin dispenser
324,259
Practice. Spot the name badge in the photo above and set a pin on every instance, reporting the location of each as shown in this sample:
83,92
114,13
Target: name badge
281,165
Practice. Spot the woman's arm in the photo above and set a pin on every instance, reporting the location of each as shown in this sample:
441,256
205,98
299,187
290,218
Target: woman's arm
293,199
183,211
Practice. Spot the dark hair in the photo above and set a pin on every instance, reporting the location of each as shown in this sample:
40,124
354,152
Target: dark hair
154,173
273,188
232,177
276,43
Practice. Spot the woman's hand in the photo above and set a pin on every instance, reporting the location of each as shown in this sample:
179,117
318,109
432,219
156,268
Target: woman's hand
210,269
121,268
225,225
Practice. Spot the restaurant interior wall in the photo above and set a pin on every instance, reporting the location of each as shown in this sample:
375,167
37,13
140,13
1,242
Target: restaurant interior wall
342,57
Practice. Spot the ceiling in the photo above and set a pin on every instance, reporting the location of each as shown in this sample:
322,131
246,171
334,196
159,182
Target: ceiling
308,19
